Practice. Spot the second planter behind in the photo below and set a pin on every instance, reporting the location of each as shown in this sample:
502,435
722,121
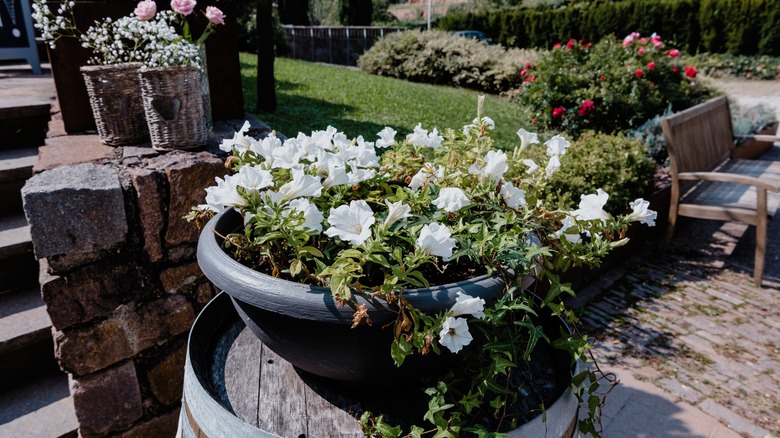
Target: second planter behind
174,107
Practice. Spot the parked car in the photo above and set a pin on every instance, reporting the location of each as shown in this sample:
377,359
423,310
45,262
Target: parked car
475,34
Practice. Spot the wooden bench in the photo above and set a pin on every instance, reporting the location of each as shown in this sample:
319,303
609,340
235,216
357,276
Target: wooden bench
707,183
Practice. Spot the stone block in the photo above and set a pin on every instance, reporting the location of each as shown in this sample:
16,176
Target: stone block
75,209
203,294
86,293
88,350
150,199
162,426
188,176
72,149
166,379
107,401
180,278
158,321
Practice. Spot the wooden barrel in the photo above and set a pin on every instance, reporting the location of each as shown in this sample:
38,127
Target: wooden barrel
234,386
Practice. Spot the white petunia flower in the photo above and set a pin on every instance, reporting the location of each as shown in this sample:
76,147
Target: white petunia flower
455,334
496,165
357,175
532,166
224,194
337,175
426,175
351,222
552,166
436,240
386,137
266,147
451,199
423,138
468,305
556,146
527,138
642,213
312,217
365,154
301,185
396,211
253,178
286,156
568,230
513,196
240,141
592,207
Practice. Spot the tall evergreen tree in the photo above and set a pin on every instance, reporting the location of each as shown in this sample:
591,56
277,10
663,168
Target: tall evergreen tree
355,12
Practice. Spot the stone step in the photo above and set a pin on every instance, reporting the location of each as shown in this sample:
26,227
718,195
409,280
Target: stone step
40,407
16,166
18,267
26,346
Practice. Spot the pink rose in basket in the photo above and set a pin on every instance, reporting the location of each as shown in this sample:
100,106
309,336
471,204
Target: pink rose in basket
215,15
183,7
145,10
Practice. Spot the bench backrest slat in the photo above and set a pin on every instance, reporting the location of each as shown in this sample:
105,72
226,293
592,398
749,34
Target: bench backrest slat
699,138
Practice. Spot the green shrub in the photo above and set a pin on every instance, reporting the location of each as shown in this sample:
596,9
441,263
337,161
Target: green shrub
608,87
748,67
437,57
614,163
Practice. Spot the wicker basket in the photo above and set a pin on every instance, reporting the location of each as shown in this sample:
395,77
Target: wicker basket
174,107
115,97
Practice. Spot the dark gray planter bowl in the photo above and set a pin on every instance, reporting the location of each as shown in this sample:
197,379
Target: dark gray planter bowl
306,327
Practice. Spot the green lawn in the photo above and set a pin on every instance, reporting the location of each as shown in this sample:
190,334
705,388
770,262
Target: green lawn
312,96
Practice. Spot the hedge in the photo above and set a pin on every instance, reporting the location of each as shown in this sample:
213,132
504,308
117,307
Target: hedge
739,27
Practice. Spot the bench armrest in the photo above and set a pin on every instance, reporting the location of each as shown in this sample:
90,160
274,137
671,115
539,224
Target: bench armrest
730,178
758,137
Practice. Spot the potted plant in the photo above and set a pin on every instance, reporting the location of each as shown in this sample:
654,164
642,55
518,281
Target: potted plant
431,254
750,124
122,51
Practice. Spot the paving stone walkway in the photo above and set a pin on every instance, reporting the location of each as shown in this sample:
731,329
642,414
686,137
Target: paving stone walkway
690,322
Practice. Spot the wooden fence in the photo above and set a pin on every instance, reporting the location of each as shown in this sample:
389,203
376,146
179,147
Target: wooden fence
332,45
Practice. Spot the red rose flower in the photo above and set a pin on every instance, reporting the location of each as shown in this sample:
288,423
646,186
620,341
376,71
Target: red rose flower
586,107
651,65
556,45
673,53
603,78
570,44
533,121
529,79
523,73
674,69
558,112
641,50
690,71
639,73
528,64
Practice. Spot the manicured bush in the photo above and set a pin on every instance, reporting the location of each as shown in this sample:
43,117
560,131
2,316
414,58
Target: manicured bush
616,164
608,87
742,66
437,57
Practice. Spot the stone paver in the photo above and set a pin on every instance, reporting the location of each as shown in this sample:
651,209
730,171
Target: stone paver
688,326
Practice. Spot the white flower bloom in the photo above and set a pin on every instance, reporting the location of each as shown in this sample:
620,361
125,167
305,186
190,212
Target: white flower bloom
642,213
386,137
426,175
468,305
423,138
592,207
287,156
365,153
240,141
312,217
532,166
552,166
556,146
224,194
337,175
396,211
496,165
451,199
357,175
436,240
301,185
513,196
527,138
253,178
434,139
455,334
351,223
266,147
568,230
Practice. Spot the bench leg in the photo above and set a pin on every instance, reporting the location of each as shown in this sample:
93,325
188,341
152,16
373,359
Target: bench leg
672,222
761,224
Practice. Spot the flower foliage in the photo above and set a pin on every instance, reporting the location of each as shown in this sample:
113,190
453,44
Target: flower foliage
156,39
377,218
611,86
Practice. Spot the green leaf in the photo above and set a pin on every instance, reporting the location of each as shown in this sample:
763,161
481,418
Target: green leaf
470,401
351,253
379,259
416,432
386,431
310,250
399,349
295,267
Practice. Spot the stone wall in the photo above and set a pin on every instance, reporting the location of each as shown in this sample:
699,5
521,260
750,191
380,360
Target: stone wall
119,276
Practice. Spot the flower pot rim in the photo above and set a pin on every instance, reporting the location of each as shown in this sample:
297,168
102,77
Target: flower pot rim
307,301
96,68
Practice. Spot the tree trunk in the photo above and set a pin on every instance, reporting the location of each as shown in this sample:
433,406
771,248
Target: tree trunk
266,87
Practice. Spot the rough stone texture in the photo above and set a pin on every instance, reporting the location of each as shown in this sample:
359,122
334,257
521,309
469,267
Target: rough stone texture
157,321
84,294
166,379
162,426
90,349
203,294
188,175
75,209
180,278
72,149
150,199
107,401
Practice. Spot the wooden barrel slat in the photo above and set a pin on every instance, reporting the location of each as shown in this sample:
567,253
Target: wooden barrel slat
243,366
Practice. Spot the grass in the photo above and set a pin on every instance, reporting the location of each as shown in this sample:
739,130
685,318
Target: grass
312,96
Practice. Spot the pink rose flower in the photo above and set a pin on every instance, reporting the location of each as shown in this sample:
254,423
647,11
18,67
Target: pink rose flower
639,73
628,40
523,73
183,7
215,15
558,112
145,10
674,53
586,107
651,65
641,50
